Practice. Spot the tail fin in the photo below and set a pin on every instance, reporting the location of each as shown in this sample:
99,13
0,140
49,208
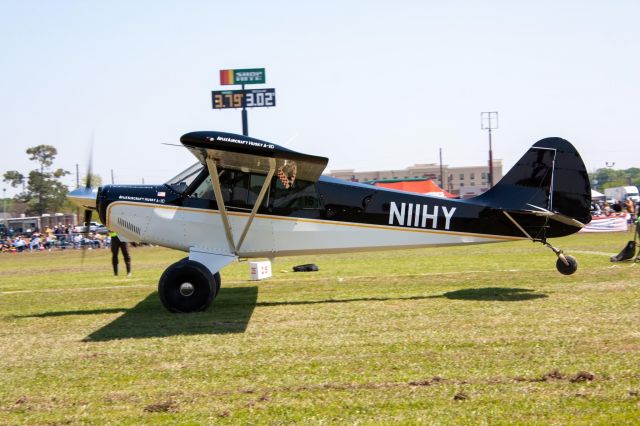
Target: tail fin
550,179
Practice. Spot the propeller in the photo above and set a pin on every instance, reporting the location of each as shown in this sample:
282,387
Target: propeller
87,188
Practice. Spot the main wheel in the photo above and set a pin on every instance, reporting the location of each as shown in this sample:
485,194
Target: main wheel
187,286
216,277
567,269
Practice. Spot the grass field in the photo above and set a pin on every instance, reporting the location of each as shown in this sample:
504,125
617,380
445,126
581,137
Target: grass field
479,334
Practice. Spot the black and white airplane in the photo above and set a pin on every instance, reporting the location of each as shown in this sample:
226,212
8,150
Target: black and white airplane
246,198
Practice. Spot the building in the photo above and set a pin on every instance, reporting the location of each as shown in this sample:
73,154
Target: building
462,181
28,224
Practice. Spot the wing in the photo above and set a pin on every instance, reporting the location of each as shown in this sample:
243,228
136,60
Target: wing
231,151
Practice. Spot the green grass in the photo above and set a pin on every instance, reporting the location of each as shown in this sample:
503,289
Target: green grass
376,338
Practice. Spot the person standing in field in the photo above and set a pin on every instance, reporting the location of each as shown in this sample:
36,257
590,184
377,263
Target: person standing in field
117,245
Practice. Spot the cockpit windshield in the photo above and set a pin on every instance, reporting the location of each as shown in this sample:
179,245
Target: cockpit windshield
182,181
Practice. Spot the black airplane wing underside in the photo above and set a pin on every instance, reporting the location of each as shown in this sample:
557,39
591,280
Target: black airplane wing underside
237,152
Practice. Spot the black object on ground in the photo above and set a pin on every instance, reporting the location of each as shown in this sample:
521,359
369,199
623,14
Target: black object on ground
309,267
629,250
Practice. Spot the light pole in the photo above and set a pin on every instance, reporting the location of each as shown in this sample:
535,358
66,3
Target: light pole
489,121
4,209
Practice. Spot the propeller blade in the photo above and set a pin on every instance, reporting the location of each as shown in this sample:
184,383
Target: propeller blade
90,165
87,219
87,212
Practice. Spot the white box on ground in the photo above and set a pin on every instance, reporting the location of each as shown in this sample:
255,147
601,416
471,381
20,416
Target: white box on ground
260,270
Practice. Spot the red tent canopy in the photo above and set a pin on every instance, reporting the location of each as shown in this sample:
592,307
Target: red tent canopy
419,186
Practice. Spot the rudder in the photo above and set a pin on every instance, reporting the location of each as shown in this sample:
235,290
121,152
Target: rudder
551,176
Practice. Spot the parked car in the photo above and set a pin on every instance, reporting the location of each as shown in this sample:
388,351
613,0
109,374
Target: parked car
93,227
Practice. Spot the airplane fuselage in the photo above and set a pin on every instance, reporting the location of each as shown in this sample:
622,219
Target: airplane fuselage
328,216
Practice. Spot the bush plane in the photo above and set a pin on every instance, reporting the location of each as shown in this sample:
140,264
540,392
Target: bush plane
247,198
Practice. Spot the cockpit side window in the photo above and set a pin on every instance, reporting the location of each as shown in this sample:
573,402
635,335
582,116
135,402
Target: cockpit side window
184,179
239,189
299,195
204,190
234,185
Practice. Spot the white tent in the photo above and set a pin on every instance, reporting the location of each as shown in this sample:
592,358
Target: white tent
595,195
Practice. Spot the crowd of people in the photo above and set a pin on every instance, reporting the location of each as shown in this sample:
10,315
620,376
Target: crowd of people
61,237
627,208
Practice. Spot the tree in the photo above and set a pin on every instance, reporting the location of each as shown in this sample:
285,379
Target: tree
44,191
609,178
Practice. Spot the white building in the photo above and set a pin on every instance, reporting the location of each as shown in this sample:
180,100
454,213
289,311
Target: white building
463,181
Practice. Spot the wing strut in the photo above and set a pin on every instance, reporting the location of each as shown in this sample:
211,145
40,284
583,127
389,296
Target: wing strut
263,191
215,181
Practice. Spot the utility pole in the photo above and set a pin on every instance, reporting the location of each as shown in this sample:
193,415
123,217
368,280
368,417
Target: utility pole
111,176
77,186
4,209
489,121
441,174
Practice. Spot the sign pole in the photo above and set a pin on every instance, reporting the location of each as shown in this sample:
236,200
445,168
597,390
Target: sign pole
245,122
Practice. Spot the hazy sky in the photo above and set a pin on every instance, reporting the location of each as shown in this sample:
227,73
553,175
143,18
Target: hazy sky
369,84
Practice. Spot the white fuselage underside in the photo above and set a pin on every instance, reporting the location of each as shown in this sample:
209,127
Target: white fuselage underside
185,229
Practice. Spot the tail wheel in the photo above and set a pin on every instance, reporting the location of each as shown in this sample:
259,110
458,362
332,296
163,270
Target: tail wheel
569,268
187,286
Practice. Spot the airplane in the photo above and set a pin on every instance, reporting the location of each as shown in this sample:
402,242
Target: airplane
247,198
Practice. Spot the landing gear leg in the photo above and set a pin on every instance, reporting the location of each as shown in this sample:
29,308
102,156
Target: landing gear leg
565,264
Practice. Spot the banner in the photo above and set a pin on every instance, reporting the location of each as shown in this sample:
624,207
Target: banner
606,224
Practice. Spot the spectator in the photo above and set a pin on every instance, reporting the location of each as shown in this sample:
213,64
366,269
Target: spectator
631,208
57,231
35,242
49,242
19,244
7,246
117,245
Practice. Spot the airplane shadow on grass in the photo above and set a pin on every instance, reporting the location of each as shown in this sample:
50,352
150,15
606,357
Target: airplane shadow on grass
232,310
498,294
230,313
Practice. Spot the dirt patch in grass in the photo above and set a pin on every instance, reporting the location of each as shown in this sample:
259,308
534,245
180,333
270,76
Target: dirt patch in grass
125,397
460,396
162,407
22,400
552,375
583,376
427,382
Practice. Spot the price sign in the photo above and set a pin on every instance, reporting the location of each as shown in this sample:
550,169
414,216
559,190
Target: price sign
243,98
243,76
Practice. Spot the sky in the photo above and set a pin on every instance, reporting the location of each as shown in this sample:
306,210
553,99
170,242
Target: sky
370,84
